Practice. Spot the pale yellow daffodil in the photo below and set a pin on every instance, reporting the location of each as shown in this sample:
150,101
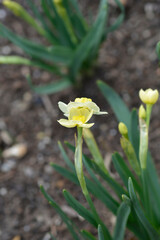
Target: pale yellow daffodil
80,102
149,96
79,113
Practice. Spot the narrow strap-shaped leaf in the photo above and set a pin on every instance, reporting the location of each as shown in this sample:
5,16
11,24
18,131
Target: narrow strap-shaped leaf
92,187
25,61
65,157
49,34
111,200
66,173
111,203
135,132
63,34
93,148
136,205
92,40
117,187
118,106
120,18
54,54
87,235
122,217
50,17
78,22
113,184
100,233
50,87
125,172
19,11
86,214
64,217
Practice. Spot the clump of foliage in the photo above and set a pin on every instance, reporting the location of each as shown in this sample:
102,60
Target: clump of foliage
136,203
72,43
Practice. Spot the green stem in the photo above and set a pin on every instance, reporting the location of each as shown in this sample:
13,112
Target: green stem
149,110
146,193
80,175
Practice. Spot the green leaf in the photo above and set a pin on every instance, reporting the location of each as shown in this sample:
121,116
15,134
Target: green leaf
54,54
135,131
91,41
113,184
111,202
64,217
91,186
63,34
100,233
66,173
87,235
158,50
25,61
79,24
120,18
50,87
48,32
65,157
124,172
137,207
19,11
86,214
93,148
122,217
116,187
99,191
118,106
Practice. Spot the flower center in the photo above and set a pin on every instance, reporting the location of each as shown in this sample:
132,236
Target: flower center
81,114
79,118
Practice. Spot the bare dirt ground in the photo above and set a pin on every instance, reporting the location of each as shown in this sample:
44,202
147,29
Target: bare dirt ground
127,62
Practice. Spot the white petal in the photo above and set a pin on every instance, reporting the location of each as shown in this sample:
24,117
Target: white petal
101,113
86,125
62,106
68,123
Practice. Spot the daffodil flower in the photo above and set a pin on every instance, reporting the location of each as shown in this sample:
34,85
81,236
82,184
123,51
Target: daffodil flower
79,113
78,103
78,117
149,96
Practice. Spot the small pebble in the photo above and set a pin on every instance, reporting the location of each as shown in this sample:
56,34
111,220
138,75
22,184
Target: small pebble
29,172
6,138
17,151
46,237
26,228
3,14
48,169
6,50
8,165
16,238
3,191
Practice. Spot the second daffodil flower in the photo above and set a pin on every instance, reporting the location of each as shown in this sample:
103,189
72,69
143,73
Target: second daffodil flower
149,96
79,113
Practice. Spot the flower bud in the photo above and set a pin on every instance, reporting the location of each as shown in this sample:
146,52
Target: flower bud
123,129
142,112
149,96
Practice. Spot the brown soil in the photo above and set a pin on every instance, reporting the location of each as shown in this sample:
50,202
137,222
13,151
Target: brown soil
127,62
